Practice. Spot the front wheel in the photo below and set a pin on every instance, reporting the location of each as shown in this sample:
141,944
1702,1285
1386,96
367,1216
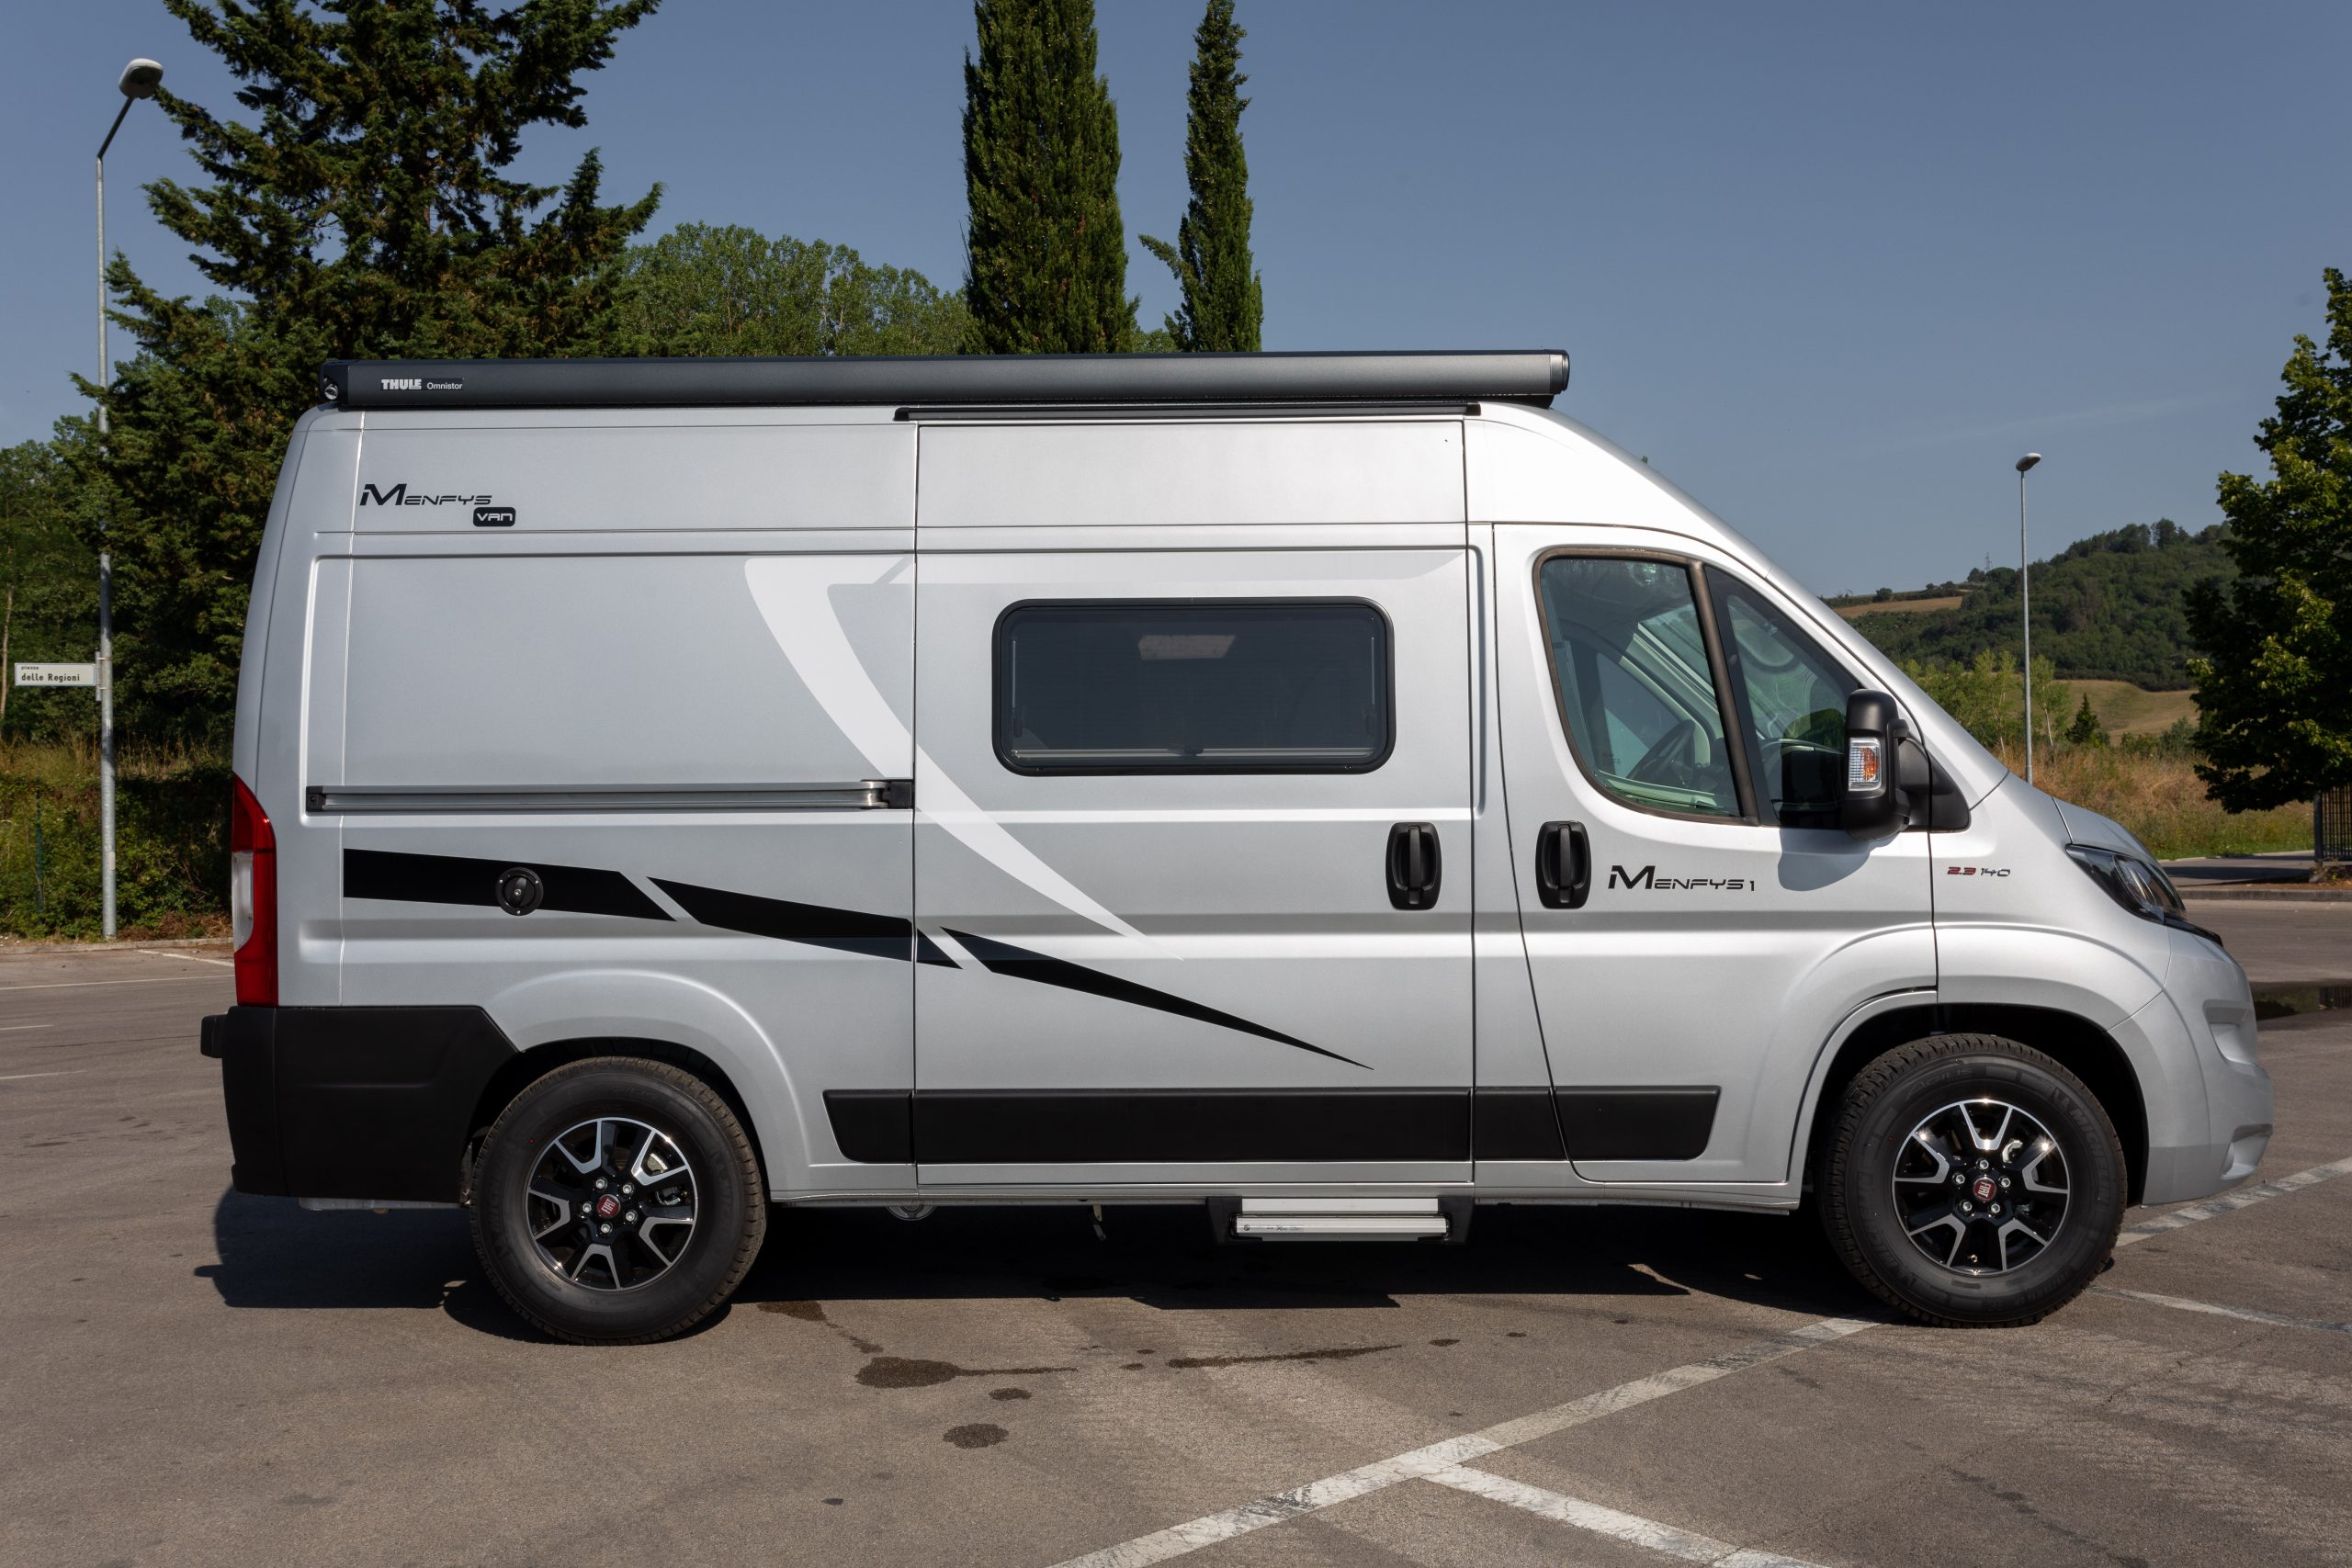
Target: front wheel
617,1201
1971,1181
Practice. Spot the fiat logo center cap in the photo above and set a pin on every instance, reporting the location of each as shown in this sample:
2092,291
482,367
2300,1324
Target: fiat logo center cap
1984,1189
608,1206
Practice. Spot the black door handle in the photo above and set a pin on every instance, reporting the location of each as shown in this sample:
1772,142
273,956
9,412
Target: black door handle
1563,865
1415,866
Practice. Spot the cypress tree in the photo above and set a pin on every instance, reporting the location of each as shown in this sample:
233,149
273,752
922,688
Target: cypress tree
1048,253
366,212
1224,306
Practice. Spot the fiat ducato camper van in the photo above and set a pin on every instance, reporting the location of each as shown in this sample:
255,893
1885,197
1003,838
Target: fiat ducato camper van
1334,790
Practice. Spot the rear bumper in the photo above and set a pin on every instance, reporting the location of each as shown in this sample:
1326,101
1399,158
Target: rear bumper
354,1103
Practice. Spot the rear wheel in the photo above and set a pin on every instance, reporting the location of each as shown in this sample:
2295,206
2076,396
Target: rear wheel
1972,1180
618,1202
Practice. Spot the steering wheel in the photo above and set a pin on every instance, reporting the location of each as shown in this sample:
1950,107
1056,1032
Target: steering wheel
1675,757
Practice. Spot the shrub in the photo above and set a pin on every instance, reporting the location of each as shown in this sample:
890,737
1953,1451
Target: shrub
171,842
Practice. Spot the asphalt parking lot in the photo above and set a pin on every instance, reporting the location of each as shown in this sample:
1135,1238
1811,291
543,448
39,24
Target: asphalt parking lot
197,1377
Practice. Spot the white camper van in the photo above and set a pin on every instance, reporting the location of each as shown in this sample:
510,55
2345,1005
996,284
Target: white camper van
1333,789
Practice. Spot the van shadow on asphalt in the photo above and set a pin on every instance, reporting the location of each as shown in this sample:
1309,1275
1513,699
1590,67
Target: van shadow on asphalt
276,1255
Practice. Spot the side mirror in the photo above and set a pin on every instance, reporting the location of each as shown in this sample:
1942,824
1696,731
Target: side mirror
1869,807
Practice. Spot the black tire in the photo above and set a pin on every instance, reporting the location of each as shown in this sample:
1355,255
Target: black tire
1870,1217
641,1301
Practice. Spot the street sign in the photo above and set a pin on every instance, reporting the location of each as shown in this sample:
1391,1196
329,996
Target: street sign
57,674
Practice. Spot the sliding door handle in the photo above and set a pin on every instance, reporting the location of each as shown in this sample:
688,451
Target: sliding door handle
1415,865
1563,865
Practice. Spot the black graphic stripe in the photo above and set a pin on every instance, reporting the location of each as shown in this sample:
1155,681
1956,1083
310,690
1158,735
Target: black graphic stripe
1003,958
817,925
405,878
930,951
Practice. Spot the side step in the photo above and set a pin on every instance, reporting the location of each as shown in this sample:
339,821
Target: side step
1340,1219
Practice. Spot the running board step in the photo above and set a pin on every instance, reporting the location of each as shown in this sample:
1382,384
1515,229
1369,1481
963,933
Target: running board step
1339,1219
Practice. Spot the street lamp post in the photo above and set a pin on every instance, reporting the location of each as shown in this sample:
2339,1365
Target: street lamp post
2025,597
139,80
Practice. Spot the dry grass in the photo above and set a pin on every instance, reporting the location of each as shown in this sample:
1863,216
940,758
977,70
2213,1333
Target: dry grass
1899,607
2162,801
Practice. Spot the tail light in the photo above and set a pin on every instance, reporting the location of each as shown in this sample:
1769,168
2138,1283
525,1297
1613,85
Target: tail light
252,898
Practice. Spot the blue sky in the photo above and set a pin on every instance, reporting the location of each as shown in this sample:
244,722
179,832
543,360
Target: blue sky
1830,267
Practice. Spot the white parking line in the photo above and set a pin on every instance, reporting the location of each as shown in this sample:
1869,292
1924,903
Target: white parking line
1420,1463
2251,1314
2229,1202
189,957
1444,1462
12,1028
1631,1528
60,1073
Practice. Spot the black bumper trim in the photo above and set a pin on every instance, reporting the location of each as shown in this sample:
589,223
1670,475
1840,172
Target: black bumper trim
353,1101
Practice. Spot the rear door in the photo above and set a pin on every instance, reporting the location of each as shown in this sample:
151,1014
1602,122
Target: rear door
1698,926
1192,853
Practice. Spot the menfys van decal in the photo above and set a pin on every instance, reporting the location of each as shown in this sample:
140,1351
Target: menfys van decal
403,877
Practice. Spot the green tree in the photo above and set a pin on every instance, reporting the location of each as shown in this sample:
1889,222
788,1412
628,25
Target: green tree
2086,731
2274,687
48,596
1985,695
1224,306
701,289
1048,253
366,211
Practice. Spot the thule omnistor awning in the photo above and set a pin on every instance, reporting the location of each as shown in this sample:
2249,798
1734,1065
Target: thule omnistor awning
1531,376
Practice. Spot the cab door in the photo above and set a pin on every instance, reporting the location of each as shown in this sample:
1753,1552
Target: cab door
1192,864
1697,923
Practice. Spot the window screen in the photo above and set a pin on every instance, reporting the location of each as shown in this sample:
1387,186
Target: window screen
1219,687
1630,659
1791,699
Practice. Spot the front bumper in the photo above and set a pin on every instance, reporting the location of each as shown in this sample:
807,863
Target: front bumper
2203,1028
353,1101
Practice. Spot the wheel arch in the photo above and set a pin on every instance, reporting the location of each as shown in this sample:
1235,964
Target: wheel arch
527,1067
2076,1043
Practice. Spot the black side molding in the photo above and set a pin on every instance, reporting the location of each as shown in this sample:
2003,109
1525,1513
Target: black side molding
1515,1124
1204,1126
1637,1123
873,1125
1208,1126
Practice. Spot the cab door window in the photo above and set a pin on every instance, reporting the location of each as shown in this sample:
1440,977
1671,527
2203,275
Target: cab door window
1637,688
1790,697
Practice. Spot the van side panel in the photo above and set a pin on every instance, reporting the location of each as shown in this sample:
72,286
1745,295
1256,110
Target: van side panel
416,477
1189,474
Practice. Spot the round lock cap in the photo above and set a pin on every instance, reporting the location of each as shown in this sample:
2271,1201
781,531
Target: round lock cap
520,891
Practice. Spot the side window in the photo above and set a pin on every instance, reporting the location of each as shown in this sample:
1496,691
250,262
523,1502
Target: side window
1629,658
1215,687
1791,698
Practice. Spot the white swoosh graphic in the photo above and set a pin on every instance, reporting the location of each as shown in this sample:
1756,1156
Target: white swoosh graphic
795,597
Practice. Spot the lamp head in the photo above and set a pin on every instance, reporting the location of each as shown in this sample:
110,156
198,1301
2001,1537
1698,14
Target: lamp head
2029,460
141,78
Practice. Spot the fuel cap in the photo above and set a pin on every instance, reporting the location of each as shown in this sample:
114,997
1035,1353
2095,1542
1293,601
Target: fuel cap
520,891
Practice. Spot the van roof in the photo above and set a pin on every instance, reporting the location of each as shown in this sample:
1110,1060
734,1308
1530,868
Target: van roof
1527,376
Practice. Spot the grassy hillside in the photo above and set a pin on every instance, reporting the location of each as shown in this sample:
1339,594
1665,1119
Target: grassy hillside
2125,709
2108,608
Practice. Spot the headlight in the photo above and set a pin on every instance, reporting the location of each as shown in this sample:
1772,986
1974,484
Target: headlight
2139,886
